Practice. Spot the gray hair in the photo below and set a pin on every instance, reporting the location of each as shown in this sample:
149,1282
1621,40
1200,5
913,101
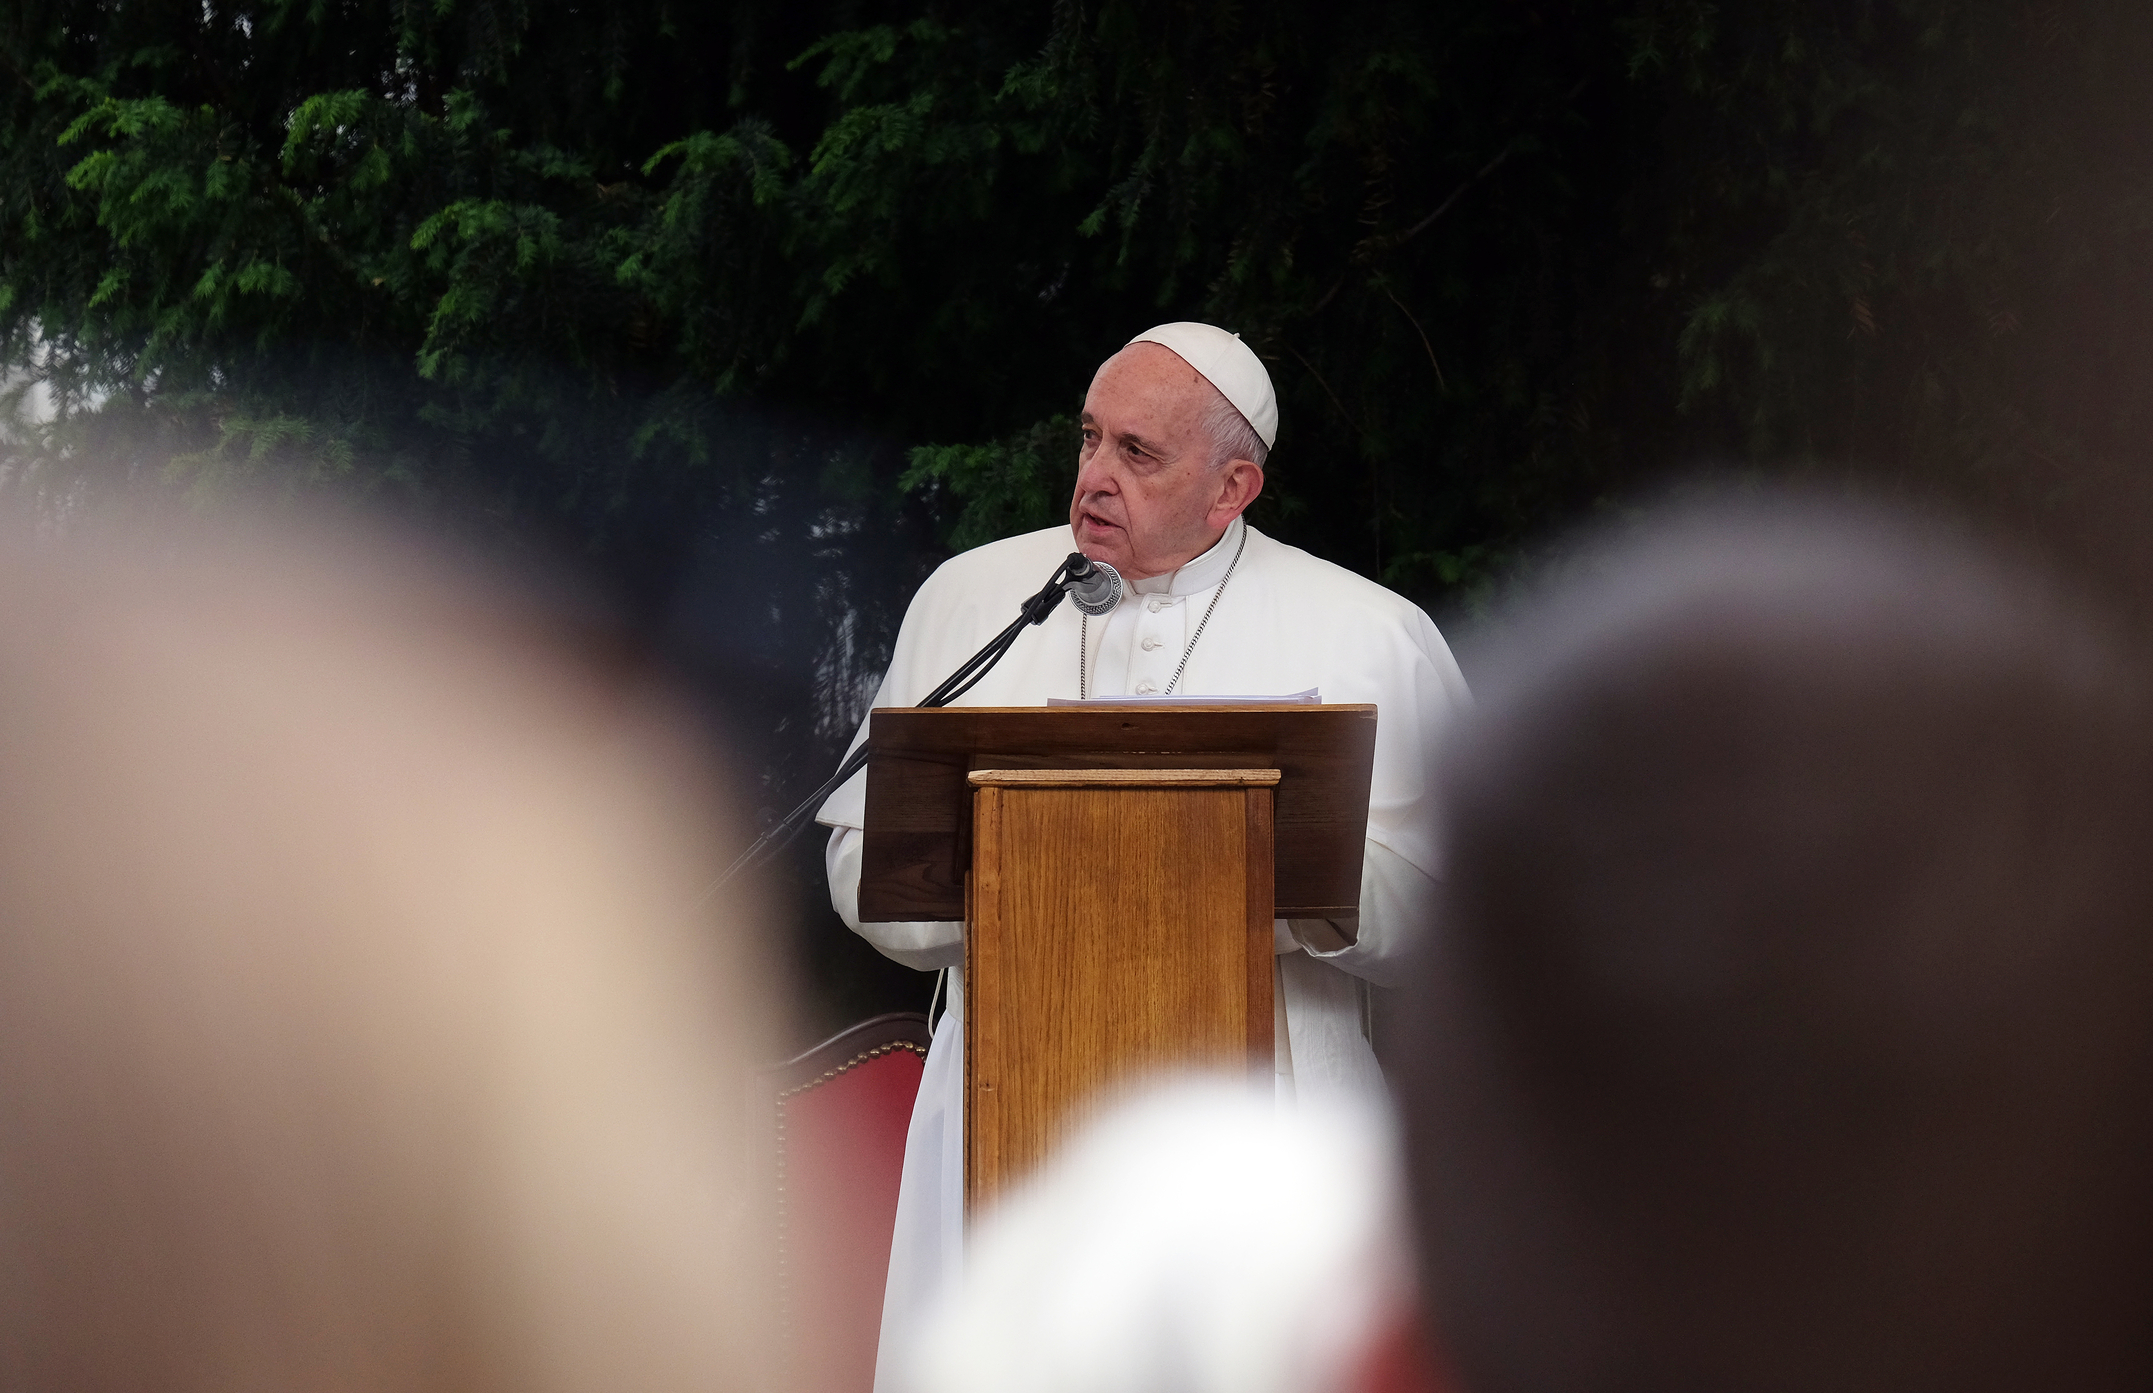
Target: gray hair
1230,434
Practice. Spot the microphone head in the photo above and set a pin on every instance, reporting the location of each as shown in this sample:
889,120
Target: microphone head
1094,587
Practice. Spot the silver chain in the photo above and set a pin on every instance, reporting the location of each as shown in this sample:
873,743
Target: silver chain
1084,630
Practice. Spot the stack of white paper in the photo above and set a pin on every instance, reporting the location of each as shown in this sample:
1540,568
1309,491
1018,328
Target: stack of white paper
1311,697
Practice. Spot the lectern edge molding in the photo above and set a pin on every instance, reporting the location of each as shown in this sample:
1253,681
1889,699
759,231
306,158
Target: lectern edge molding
918,841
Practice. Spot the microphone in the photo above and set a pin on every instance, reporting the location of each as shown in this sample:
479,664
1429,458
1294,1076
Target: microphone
1094,587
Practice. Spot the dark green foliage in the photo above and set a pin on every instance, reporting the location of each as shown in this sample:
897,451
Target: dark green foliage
1003,488
1504,260
1952,275
522,252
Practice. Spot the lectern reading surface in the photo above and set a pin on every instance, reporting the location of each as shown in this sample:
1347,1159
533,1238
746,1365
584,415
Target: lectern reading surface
1115,871
919,808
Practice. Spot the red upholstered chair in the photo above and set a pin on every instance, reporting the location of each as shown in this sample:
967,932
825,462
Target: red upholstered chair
839,1115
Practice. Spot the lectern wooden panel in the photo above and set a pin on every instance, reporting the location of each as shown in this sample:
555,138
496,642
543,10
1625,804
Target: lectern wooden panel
1120,925
919,808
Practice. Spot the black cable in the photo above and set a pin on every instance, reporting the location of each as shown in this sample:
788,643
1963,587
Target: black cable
1007,644
975,667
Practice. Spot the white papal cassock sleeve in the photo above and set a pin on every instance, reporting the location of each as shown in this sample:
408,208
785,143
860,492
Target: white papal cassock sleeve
926,945
1397,903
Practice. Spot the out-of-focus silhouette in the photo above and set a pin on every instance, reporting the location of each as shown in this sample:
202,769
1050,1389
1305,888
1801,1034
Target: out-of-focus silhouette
358,1028
1788,1023
1200,1239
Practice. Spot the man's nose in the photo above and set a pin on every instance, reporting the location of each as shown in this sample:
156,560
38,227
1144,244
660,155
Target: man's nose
1096,475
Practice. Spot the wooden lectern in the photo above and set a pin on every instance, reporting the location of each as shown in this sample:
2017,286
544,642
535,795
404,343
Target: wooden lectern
1118,869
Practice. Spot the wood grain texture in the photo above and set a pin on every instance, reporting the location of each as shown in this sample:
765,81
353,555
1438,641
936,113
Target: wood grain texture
1256,882
1113,934
1124,778
919,810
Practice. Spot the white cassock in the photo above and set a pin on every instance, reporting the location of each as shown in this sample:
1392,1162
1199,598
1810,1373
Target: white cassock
1285,623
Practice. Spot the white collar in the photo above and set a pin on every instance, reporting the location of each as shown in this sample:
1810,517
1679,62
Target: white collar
1198,575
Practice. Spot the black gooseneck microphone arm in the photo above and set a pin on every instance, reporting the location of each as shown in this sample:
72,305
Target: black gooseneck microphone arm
1035,611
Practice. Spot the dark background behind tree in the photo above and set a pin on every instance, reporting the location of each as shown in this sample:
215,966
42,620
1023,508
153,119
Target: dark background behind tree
748,314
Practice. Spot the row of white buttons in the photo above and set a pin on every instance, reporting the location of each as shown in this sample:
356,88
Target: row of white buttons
1157,604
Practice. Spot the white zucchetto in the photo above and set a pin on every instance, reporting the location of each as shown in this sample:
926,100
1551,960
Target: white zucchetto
1227,364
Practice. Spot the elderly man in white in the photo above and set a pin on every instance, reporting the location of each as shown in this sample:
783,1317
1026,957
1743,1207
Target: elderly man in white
1176,429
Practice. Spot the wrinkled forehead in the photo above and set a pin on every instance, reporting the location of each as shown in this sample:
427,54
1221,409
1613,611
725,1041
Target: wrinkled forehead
1148,379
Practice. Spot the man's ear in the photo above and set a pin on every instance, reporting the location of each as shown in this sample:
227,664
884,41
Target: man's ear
1240,482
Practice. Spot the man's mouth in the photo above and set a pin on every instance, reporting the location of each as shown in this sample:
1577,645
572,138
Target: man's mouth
1094,520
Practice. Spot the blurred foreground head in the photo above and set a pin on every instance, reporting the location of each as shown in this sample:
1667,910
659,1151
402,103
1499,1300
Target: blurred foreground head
1791,1024
1198,1240
357,1028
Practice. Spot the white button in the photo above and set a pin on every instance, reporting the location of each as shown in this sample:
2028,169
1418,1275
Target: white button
1147,687
1156,605
1150,643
